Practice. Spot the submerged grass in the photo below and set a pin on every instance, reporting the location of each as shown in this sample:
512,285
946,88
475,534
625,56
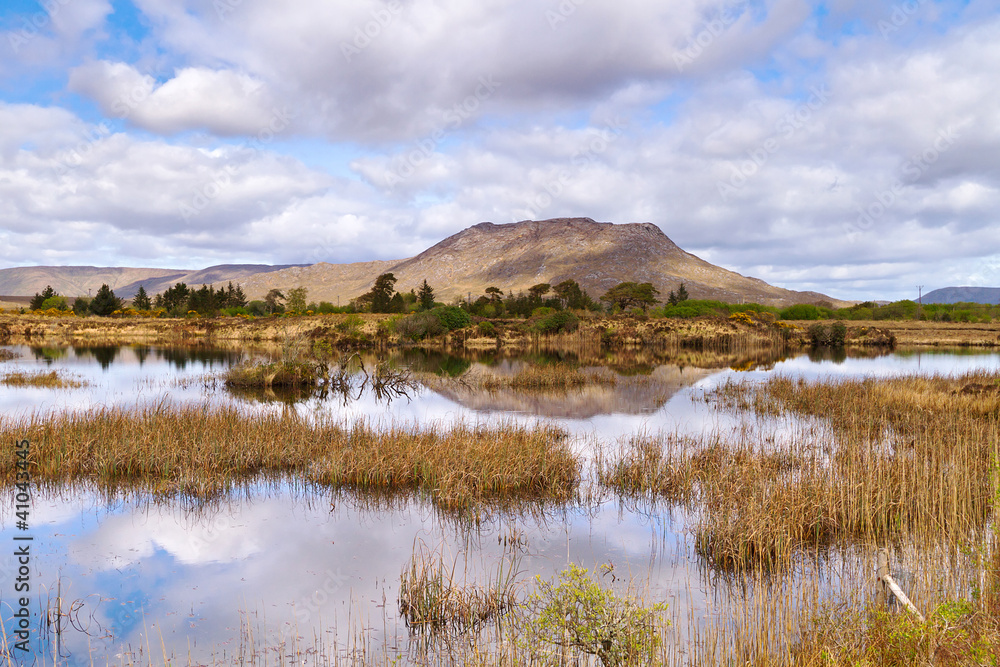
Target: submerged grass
202,452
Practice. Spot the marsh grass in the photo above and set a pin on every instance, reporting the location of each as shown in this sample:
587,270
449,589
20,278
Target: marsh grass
551,376
201,452
432,599
49,380
277,374
7,355
898,459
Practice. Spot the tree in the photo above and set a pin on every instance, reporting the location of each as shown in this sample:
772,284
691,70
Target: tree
381,293
174,300
425,297
39,299
297,299
572,295
632,295
81,306
538,291
672,299
682,293
141,300
397,304
105,302
273,300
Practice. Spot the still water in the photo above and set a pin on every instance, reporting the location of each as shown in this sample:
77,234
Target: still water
279,563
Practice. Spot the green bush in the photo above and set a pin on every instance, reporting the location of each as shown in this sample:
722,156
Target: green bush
577,612
487,329
452,317
562,320
804,311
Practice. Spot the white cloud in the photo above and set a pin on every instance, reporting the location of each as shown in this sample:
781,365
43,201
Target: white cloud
222,102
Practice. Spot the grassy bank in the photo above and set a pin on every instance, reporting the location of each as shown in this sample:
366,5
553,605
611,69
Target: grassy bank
201,453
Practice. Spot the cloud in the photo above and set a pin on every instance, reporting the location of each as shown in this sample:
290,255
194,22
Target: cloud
223,102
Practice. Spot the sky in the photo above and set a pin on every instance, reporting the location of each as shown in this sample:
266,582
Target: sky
850,147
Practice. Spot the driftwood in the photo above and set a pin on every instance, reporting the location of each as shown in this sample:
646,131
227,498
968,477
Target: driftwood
887,583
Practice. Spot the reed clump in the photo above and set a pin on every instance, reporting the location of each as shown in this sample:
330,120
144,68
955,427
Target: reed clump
49,380
278,374
7,355
201,452
432,599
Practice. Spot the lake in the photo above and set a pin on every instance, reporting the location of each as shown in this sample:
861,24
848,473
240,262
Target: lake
280,564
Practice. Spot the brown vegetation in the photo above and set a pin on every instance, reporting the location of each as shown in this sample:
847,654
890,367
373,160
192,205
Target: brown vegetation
201,452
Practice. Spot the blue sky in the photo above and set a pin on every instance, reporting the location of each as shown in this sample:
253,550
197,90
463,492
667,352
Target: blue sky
847,147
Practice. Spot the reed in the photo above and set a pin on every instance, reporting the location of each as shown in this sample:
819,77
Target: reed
49,380
201,452
431,599
278,374
905,458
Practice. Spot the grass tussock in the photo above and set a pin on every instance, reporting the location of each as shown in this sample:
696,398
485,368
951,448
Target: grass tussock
559,376
431,598
7,355
278,374
202,452
49,380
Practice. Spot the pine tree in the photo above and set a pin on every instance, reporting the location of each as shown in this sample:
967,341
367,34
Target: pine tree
105,302
39,299
425,297
682,293
141,300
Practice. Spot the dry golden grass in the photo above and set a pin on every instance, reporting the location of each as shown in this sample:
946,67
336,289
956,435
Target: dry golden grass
544,377
204,452
49,380
432,599
907,458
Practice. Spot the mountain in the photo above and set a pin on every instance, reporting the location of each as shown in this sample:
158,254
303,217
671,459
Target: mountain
76,281
513,257
963,294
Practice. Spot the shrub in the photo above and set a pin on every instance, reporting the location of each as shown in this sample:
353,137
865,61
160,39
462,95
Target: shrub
452,317
577,612
559,321
802,311
487,329
418,326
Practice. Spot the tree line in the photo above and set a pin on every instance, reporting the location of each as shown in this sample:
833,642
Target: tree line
181,300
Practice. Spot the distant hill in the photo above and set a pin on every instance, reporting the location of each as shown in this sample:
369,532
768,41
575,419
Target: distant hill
73,281
513,257
963,294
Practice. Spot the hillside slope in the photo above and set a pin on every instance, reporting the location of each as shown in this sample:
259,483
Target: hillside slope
963,294
512,257
515,256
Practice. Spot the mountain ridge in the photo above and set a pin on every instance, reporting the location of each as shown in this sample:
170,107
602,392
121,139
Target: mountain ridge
511,256
961,294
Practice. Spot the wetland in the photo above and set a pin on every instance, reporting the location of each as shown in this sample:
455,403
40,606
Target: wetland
189,506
